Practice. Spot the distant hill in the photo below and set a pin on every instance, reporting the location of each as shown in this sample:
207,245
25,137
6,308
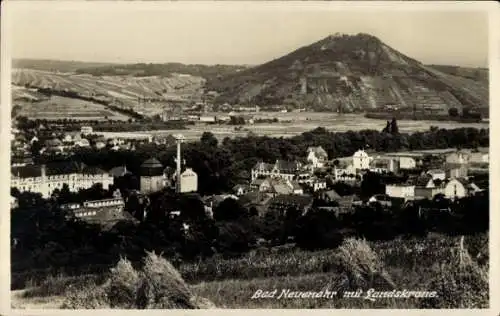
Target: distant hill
54,65
164,70
478,74
351,72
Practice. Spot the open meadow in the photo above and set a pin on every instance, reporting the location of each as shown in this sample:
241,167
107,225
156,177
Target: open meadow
55,108
292,124
436,263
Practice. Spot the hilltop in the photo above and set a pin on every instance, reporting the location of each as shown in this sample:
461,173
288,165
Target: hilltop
348,73
54,65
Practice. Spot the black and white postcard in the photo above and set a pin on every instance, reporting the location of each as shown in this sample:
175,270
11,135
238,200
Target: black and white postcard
247,155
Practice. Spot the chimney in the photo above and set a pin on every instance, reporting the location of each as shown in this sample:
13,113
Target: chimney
43,170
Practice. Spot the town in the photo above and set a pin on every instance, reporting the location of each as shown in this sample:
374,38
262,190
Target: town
175,159
416,175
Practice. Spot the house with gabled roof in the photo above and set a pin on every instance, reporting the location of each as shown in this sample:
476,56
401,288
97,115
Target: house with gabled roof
280,169
427,187
317,156
457,188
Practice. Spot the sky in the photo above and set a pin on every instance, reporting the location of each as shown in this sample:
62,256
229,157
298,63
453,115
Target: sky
236,34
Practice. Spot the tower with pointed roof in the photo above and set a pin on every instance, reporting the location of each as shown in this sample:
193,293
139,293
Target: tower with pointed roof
152,178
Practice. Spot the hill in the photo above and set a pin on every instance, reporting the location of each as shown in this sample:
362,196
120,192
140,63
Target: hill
163,70
54,65
477,74
142,94
350,73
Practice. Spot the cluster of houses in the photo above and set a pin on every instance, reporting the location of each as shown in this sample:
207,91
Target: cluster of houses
49,178
63,144
428,173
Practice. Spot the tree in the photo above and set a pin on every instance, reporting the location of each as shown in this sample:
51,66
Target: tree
209,139
387,128
453,112
230,210
394,127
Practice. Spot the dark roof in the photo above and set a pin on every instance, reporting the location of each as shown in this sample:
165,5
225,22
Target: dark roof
26,171
332,195
284,165
152,167
58,168
263,165
423,180
298,200
92,170
151,163
119,171
252,197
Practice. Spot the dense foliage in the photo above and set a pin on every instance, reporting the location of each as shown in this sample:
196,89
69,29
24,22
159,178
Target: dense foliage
221,166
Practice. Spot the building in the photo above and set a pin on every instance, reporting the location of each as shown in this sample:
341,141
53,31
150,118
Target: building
152,178
118,172
208,119
361,160
427,187
318,184
45,179
437,174
99,211
344,170
456,171
317,156
240,189
457,188
82,143
189,181
481,156
276,186
280,169
384,165
459,157
14,203
282,203
86,130
400,190
407,162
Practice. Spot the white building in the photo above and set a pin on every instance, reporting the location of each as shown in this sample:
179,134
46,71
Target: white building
460,187
207,119
361,160
45,179
317,156
400,190
407,162
459,157
345,171
437,174
281,169
86,130
189,181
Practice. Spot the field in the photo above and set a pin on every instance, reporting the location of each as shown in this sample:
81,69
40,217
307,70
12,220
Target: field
121,90
303,122
55,108
436,263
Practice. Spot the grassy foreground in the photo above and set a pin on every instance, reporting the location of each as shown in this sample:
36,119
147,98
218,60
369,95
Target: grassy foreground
434,264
